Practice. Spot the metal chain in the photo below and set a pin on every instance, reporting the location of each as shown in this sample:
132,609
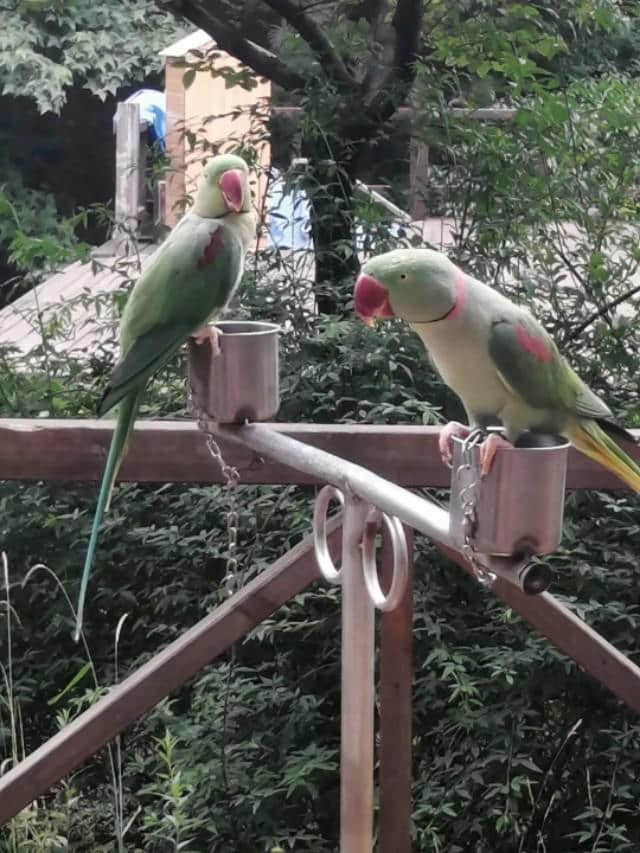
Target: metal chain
468,498
231,477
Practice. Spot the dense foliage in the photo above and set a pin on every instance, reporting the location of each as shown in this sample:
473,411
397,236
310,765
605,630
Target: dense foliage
45,48
62,67
515,748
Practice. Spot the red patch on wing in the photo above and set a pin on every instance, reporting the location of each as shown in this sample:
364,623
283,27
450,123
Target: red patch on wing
533,345
212,249
461,293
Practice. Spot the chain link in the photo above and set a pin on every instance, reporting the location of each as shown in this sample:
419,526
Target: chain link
468,500
231,477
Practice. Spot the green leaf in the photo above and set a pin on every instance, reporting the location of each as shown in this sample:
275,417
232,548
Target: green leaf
77,678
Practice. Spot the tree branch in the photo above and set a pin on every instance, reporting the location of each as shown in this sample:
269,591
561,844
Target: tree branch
603,310
395,85
407,22
312,33
381,42
368,9
204,14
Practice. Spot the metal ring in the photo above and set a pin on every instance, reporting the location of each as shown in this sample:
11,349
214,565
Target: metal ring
320,547
400,560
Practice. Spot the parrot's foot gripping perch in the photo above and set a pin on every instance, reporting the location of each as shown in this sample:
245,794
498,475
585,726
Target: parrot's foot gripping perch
208,333
445,440
488,449
471,436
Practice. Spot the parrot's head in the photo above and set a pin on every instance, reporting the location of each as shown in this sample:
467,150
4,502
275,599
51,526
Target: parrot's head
224,187
418,285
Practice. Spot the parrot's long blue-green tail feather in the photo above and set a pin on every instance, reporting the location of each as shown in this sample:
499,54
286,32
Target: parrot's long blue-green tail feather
124,425
593,441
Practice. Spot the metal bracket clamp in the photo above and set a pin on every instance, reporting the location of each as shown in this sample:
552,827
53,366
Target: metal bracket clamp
468,497
372,522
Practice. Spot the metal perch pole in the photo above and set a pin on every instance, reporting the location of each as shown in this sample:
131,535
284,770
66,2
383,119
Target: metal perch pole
417,512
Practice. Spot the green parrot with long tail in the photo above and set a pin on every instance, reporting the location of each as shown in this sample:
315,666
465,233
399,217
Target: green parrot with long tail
494,355
187,281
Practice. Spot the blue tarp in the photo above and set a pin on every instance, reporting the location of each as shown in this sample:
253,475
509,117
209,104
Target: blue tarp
288,221
153,110
288,218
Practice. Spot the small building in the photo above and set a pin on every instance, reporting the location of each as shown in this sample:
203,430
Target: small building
207,112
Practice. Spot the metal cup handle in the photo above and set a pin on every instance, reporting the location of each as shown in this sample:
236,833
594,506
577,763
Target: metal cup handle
323,557
370,528
400,575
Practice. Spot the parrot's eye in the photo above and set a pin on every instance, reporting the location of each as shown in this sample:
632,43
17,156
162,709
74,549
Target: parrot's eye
403,276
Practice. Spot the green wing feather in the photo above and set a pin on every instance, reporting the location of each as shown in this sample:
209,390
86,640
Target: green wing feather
145,356
186,281
536,371
174,296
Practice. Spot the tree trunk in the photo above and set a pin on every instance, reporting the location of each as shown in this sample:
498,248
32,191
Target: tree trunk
329,186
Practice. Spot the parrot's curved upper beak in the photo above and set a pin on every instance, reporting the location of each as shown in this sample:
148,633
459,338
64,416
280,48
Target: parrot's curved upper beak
371,299
232,188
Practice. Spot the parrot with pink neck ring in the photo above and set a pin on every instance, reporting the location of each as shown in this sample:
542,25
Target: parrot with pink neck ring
183,285
495,356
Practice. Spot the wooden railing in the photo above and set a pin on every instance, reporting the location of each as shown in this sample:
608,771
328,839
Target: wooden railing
175,451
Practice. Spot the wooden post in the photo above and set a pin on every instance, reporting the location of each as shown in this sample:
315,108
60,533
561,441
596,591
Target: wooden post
396,639
358,644
418,175
160,203
127,196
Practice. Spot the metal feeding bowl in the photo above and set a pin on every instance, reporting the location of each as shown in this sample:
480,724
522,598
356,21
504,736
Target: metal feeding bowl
517,509
240,382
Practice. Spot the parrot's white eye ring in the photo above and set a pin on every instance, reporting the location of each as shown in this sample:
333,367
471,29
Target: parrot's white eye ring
403,276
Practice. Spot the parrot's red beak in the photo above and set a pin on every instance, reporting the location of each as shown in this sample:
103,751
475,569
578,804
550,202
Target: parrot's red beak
232,188
371,299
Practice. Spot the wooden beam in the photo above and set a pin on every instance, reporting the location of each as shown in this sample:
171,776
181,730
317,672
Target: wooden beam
571,635
175,452
406,113
165,672
396,687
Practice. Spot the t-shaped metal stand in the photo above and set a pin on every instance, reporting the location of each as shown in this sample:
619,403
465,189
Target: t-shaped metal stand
498,538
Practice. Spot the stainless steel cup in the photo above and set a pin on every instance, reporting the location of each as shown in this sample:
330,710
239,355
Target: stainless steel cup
519,505
241,382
